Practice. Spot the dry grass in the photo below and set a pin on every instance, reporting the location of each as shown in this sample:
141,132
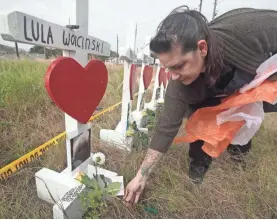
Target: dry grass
227,192
28,118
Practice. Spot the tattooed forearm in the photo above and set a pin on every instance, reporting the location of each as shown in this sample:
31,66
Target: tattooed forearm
151,159
145,170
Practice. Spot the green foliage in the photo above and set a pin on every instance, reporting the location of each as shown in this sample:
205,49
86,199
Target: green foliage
48,52
96,191
113,54
113,188
140,139
150,119
37,49
22,84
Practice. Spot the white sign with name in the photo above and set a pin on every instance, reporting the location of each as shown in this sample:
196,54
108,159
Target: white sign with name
28,29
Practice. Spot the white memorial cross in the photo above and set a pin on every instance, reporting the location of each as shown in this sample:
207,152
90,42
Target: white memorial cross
162,86
146,60
24,28
118,137
152,105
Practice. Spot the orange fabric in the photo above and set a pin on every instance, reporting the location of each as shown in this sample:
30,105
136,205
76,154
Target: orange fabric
202,124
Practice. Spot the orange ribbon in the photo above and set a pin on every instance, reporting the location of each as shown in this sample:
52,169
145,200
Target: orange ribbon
202,124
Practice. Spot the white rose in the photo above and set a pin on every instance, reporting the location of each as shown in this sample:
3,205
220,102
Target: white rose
98,158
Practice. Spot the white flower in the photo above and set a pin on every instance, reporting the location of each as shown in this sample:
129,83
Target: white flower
99,158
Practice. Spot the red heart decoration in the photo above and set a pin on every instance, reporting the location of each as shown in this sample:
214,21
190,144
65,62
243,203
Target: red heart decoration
134,80
147,76
162,76
76,90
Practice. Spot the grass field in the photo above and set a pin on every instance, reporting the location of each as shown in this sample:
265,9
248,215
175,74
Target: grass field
28,118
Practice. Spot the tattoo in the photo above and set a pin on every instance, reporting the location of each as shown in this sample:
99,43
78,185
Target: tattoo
150,161
145,171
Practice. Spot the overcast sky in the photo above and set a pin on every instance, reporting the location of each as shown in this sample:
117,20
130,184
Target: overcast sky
107,18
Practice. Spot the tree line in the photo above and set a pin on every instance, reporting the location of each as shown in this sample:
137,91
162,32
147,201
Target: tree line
50,53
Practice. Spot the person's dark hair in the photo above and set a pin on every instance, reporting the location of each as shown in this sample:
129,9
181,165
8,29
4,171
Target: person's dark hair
186,27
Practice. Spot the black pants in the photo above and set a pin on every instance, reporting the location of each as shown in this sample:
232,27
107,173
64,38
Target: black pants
196,153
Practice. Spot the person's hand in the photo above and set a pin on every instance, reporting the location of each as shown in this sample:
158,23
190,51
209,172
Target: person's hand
137,185
134,190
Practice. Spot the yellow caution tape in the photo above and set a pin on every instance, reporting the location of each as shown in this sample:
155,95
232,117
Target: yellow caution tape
16,165
99,114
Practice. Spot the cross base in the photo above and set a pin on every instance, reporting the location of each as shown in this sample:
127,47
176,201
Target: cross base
61,189
117,139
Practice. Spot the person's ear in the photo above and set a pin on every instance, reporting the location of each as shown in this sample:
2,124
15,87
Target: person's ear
203,48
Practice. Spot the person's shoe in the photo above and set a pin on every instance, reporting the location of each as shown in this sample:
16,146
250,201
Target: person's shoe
239,161
197,171
238,154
